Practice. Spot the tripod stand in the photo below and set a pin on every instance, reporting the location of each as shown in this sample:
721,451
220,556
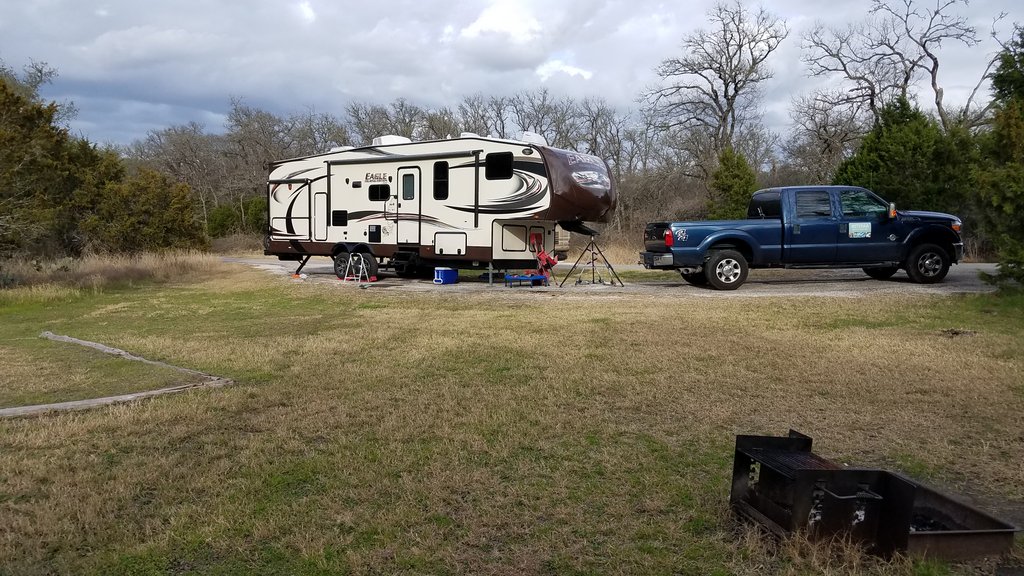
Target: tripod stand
595,277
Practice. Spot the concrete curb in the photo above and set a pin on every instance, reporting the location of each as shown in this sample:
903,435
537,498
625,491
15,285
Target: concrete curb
209,381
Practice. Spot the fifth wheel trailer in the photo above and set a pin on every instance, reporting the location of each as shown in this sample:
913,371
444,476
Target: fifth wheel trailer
468,202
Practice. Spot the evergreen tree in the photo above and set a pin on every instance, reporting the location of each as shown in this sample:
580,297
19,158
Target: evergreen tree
1000,179
909,160
732,184
60,195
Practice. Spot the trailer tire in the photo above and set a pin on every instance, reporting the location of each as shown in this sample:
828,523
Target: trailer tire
368,263
881,273
340,264
726,269
695,279
928,264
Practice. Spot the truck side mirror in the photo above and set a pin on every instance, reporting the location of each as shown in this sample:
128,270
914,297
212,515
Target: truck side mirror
892,210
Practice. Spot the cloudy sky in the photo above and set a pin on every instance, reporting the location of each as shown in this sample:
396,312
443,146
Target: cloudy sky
133,66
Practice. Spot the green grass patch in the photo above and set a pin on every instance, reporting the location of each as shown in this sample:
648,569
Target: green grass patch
395,432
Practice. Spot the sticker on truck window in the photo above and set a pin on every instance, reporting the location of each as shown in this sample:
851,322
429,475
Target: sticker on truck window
860,229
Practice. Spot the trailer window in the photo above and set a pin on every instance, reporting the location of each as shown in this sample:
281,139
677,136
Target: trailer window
379,192
765,205
440,180
409,187
813,205
498,166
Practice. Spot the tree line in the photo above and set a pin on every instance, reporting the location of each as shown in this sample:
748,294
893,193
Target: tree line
695,145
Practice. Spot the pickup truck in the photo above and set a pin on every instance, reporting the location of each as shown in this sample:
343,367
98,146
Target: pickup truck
808,227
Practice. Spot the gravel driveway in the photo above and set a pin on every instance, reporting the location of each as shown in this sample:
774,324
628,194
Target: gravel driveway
962,278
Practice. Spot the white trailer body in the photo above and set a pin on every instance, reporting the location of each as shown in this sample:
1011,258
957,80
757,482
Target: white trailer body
463,202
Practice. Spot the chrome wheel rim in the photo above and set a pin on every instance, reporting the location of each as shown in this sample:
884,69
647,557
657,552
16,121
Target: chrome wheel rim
929,264
340,264
728,270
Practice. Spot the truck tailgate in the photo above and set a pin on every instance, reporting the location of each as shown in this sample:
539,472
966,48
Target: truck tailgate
654,237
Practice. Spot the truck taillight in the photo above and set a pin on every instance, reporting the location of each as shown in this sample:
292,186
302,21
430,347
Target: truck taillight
668,238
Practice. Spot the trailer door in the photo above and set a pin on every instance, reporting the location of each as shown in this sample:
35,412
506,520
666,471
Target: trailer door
409,205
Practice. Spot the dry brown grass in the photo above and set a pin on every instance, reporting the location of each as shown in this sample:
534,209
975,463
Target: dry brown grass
238,245
99,271
386,432
618,250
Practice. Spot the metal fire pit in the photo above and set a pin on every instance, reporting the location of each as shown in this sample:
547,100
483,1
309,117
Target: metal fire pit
781,484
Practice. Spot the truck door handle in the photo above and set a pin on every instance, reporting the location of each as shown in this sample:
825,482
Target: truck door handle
796,228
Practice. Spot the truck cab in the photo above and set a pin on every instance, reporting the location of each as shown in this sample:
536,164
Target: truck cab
808,227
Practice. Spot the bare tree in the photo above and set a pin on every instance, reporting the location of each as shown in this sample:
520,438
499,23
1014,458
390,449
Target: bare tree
316,132
187,154
367,121
474,115
827,130
887,54
405,118
438,124
499,110
712,87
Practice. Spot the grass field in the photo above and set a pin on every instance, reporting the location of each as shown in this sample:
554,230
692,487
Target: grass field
391,432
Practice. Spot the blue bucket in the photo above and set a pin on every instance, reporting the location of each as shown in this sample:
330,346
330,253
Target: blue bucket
446,276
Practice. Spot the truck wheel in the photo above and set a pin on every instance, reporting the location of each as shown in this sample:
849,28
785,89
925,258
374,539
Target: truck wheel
881,273
726,269
927,264
695,279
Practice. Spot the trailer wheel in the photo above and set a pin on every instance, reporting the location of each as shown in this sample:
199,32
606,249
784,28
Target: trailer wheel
341,264
881,273
367,262
726,269
695,279
927,264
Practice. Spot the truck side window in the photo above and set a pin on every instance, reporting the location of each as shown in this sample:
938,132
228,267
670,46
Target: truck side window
813,205
765,205
860,204
498,166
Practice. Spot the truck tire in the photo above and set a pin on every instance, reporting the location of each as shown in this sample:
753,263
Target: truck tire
726,269
695,279
927,263
881,273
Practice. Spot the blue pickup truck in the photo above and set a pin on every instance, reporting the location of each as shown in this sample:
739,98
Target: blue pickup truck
808,227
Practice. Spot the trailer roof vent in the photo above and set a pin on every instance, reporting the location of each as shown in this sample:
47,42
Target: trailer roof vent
390,139
533,138
340,148
469,135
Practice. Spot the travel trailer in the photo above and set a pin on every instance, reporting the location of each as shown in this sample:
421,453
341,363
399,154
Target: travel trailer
467,202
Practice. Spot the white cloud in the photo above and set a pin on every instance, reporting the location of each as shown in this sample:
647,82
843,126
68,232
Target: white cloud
306,12
552,67
505,19
185,59
140,45
448,34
